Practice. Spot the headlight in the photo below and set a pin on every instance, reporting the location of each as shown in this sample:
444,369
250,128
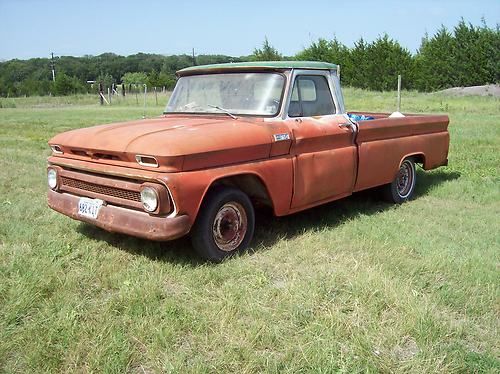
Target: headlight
52,178
149,199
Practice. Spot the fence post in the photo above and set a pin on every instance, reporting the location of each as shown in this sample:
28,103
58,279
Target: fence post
399,93
156,97
145,92
101,98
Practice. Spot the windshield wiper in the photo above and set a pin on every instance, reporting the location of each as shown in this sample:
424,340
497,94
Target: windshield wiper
223,110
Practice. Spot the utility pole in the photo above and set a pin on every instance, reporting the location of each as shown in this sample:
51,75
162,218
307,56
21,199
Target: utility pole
194,59
53,67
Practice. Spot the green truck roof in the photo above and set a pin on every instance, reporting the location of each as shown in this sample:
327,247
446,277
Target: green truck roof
277,65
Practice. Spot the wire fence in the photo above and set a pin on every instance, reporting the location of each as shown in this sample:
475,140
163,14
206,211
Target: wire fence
134,95
151,99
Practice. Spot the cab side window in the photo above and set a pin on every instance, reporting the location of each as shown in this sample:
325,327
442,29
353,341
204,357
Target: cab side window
311,97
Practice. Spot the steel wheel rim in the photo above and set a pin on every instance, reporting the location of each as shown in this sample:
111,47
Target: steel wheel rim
230,226
405,178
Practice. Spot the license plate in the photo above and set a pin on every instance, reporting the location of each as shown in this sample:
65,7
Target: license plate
89,207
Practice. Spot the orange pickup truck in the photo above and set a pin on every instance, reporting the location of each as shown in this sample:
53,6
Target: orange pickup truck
233,136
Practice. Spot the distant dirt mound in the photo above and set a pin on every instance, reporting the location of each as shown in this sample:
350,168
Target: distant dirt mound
486,90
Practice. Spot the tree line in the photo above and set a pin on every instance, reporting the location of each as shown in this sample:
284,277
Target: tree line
464,56
82,74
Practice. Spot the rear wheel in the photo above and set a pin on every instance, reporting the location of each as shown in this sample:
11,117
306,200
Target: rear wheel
403,186
225,224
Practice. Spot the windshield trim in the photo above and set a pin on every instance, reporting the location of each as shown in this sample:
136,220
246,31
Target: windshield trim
274,115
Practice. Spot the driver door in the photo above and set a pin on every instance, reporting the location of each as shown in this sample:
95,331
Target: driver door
324,152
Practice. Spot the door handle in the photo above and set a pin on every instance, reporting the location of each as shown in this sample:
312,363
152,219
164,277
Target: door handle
345,125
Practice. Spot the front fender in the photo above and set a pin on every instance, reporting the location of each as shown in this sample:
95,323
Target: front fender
188,189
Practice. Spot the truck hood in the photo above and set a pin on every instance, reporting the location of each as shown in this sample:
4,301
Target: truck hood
178,142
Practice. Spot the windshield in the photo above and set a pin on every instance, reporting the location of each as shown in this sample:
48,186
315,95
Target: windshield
236,93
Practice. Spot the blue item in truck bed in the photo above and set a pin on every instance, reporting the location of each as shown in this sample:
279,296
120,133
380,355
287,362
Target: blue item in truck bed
359,117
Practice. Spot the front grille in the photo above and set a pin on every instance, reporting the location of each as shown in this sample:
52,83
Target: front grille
88,154
99,189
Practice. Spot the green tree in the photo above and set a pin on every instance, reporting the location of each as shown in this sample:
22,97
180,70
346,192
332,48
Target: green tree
107,81
475,54
152,80
166,80
66,85
359,64
318,51
136,78
386,59
435,62
332,51
266,53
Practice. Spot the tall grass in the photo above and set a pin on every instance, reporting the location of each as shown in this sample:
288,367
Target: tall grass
353,286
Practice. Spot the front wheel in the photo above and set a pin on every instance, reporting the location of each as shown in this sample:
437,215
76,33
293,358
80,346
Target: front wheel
225,224
403,186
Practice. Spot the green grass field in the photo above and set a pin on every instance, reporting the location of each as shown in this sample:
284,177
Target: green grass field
357,285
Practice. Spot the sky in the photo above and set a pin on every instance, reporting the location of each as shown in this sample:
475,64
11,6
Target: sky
35,28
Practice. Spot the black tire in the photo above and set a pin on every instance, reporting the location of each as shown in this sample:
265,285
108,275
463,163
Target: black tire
225,224
403,186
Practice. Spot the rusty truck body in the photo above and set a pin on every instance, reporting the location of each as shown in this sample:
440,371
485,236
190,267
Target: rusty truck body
232,136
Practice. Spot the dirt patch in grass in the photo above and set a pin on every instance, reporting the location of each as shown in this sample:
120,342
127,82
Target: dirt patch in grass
486,90
406,350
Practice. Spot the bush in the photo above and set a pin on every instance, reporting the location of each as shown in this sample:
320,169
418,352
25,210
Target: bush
66,85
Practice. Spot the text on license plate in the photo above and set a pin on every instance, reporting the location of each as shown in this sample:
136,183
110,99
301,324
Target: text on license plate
89,207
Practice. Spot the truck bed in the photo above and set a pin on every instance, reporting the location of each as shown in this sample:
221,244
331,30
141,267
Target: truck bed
384,142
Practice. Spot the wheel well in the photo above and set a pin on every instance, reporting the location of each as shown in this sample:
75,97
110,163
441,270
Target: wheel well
417,158
250,184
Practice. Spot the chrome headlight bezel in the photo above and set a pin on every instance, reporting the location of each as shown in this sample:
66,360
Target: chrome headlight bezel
149,199
52,178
